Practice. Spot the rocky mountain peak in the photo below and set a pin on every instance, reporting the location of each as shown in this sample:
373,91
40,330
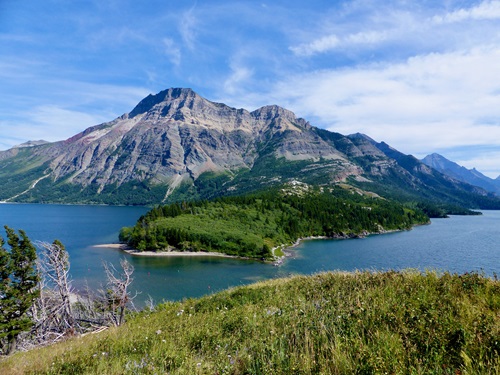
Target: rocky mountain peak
271,112
436,156
179,95
436,161
183,105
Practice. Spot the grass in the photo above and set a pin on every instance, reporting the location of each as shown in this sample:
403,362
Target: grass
332,323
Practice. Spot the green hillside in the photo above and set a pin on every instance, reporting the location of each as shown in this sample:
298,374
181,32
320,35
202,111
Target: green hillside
332,323
252,225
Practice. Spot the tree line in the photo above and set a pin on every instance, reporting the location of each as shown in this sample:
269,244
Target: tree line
38,305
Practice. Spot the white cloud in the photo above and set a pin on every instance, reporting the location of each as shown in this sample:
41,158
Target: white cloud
432,101
320,45
333,42
370,37
238,77
487,10
172,51
187,28
398,29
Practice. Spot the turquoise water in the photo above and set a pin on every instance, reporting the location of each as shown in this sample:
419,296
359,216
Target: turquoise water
458,244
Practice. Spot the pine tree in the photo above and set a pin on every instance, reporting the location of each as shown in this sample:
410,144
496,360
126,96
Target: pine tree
18,289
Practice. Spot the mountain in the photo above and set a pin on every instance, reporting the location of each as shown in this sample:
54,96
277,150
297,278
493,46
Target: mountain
176,145
470,176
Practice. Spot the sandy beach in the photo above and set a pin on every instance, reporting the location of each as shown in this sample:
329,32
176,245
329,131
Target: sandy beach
172,253
175,253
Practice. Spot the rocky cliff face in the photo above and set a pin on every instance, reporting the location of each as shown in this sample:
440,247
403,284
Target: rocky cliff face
176,144
178,133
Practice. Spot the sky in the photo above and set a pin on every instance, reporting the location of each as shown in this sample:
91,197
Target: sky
422,76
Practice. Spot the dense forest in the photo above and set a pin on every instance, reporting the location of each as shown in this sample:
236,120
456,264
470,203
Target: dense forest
252,225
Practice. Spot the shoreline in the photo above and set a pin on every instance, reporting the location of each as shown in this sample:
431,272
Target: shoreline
173,253
278,261
285,248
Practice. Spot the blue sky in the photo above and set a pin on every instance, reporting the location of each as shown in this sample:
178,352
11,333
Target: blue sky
423,76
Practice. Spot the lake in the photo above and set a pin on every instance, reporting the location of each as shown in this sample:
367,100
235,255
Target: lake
458,244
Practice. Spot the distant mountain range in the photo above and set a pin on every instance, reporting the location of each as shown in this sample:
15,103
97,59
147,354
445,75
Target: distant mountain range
470,176
176,145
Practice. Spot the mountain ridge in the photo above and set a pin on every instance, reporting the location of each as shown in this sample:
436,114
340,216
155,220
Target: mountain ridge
177,145
454,170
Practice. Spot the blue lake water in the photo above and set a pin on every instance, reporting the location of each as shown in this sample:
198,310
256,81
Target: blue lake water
458,244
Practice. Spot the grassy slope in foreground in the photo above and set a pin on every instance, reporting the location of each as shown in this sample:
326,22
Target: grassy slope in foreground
251,225
332,323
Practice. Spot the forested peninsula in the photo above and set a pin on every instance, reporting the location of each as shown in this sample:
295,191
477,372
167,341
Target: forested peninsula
257,225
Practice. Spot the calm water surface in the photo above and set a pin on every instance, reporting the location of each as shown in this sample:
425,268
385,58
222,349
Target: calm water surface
459,244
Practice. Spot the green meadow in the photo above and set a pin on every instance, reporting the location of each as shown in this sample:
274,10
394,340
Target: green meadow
332,323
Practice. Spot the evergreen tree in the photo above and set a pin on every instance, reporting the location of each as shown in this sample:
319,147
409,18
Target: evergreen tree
18,286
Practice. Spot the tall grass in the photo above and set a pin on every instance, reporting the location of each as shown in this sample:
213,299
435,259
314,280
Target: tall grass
332,323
